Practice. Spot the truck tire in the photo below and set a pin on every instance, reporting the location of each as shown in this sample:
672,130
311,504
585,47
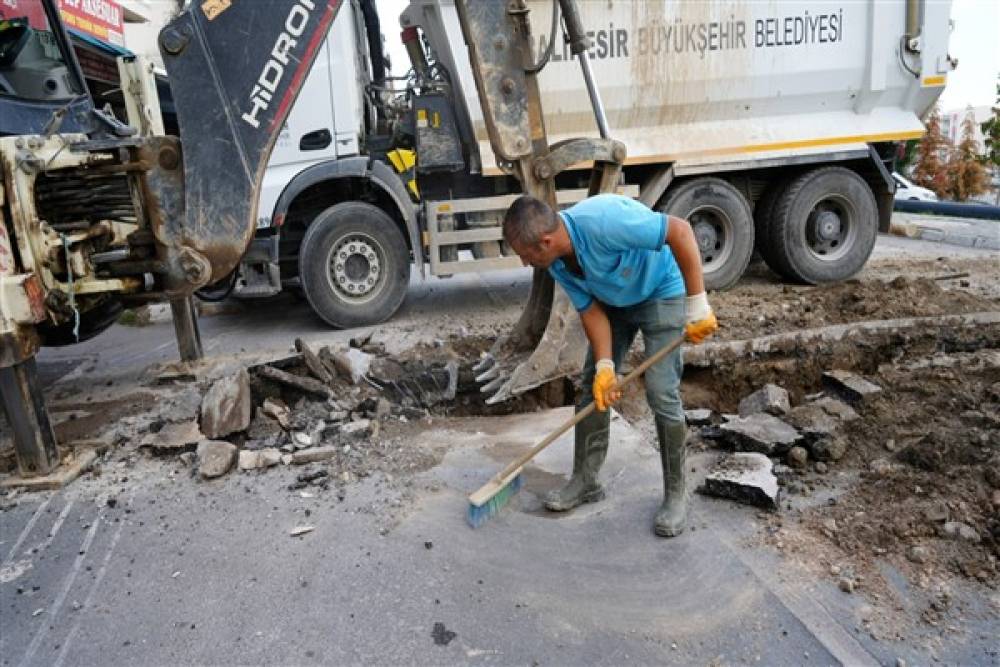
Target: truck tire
354,265
824,227
763,213
723,225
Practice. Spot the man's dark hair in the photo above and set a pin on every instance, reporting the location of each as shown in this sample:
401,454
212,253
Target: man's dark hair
527,220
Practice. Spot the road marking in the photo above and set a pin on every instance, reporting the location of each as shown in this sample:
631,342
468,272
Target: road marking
61,598
27,529
87,601
56,526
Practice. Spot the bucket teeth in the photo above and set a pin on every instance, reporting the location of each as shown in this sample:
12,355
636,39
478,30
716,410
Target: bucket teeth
486,362
491,374
493,385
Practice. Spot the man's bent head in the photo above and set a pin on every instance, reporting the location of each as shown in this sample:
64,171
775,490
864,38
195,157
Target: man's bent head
531,228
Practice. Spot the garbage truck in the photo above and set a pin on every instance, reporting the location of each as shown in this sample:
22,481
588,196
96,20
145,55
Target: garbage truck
769,126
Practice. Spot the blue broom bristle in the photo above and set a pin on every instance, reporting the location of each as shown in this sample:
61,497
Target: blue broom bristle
479,515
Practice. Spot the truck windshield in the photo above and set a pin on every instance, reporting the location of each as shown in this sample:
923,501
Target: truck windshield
32,66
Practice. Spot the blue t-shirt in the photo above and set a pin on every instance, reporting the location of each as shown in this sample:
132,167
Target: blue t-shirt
621,246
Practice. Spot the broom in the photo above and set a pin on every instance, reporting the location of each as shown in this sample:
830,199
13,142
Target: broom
495,494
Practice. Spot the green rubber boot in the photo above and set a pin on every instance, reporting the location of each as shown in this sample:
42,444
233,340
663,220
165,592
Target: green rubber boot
673,452
590,448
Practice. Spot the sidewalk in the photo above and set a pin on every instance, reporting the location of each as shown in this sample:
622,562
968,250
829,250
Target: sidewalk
967,232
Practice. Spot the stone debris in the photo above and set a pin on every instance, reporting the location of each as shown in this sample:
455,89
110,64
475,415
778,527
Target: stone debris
746,477
313,362
917,554
880,467
174,438
260,458
226,407
698,417
852,388
797,457
357,429
829,448
761,433
215,458
770,398
276,409
315,454
957,529
835,408
416,383
352,363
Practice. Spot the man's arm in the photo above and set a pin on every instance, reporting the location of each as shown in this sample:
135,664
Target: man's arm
598,329
684,246
701,322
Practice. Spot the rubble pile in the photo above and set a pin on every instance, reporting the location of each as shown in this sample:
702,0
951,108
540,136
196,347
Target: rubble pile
325,406
899,463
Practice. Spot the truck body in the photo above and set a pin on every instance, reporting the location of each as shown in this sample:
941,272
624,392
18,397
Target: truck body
723,108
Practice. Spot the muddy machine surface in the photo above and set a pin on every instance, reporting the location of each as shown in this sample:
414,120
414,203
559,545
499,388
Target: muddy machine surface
95,218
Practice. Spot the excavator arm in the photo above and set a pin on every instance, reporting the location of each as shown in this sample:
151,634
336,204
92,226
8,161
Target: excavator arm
235,69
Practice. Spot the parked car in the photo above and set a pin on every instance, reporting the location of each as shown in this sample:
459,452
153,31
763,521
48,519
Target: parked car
907,190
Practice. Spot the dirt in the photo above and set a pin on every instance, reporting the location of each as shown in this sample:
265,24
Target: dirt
748,311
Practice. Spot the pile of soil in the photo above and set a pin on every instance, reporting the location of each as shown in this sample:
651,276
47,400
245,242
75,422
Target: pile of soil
755,310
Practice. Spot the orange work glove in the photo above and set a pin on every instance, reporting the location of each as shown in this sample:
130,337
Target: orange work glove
701,322
605,385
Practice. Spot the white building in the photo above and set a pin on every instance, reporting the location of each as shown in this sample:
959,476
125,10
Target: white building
951,124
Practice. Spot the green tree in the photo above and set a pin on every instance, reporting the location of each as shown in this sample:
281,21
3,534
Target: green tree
906,155
931,171
991,136
966,174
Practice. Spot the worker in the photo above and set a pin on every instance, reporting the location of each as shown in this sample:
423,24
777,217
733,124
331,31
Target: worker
626,269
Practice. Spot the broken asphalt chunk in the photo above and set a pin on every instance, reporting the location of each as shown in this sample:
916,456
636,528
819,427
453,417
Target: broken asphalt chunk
260,458
759,432
276,409
770,398
173,438
746,477
313,362
852,388
226,407
215,458
303,384
314,454
698,417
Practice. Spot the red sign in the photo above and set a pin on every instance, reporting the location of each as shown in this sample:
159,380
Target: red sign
103,19
29,9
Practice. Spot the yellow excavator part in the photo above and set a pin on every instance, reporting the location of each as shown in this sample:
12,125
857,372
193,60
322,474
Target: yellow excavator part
404,162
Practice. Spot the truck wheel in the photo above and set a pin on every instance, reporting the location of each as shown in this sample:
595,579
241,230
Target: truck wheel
763,213
824,226
723,225
354,265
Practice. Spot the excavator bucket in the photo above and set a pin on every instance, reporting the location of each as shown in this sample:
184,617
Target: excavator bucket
558,350
548,340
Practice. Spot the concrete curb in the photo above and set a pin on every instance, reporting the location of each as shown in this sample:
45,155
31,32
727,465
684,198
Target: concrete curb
941,234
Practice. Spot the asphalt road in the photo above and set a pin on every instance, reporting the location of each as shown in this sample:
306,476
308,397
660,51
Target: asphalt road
145,565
